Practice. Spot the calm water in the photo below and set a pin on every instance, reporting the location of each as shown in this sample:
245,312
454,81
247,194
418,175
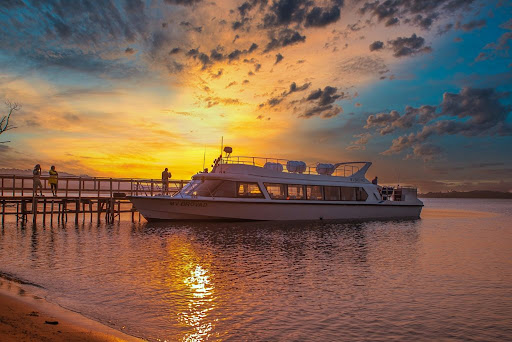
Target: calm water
447,276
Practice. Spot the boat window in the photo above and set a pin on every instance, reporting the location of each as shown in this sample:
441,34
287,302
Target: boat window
348,193
276,191
189,188
204,188
362,195
295,191
226,189
251,190
332,193
314,192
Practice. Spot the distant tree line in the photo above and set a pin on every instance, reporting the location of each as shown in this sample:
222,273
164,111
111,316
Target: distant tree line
468,194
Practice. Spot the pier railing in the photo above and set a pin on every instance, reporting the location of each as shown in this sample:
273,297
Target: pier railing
78,196
75,186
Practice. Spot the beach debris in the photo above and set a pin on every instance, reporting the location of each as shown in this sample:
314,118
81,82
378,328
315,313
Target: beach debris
34,314
51,322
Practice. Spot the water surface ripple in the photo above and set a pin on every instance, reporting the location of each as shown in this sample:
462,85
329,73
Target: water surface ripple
447,276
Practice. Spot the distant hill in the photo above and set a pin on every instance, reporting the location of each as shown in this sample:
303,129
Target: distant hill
468,194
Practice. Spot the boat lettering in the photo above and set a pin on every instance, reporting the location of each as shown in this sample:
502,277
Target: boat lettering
189,203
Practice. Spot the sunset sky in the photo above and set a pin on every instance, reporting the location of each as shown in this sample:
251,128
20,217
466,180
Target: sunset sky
128,87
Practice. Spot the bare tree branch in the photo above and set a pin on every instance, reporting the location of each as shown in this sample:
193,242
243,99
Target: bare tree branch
4,123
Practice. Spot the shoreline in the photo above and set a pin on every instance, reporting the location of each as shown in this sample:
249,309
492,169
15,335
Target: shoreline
26,316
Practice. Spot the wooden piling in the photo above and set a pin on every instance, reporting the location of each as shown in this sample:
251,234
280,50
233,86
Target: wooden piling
44,211
77,210
51,213
3,211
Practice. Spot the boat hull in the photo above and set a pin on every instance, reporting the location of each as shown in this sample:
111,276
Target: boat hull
162,208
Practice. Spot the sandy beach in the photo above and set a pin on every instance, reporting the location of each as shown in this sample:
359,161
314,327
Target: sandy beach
28,317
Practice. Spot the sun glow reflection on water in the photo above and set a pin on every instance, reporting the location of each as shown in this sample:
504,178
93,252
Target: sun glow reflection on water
199,304
191,291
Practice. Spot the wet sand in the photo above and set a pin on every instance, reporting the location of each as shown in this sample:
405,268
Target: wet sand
27,317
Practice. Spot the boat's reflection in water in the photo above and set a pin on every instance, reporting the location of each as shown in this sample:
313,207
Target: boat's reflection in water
214,270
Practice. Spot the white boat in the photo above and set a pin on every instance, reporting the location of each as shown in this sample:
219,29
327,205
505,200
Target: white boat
252,188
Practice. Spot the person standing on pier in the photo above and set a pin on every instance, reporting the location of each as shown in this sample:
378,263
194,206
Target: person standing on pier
37,180
165,181
54,180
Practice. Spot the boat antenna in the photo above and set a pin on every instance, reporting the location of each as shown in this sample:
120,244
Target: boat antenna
221,145
204,156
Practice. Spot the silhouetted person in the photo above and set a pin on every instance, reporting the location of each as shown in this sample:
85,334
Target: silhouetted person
53,180
375,180
37,180
165,180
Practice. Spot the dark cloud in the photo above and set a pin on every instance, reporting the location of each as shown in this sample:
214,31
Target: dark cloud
323,103
377,45
247,6
284,12
421,13
9,4
182,2
325,112
79,61
278,99
499,48
471,112
360,143
85,23
301,12
189,26
234,55
403,46
469,26
424,22
444,29
279,58
391,22
294,88
237,25
326,96
217,55
129,51
427,152
389,122
175,51
363,65
253,47
319,17
284,37
212,101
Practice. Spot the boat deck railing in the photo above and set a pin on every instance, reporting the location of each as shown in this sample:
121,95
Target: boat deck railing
344,170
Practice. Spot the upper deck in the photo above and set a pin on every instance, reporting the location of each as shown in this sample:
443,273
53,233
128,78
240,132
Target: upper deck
274,166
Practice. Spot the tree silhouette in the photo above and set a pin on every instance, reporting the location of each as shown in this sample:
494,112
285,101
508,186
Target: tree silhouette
4,123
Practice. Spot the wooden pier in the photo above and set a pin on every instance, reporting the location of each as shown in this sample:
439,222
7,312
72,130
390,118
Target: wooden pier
79,197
